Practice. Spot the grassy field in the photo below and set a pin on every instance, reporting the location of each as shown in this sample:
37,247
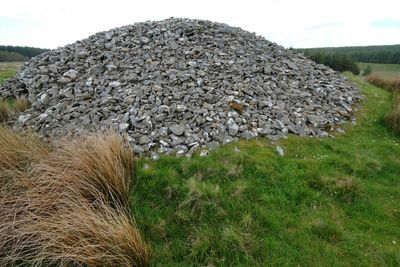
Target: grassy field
384,70
326,202
8,69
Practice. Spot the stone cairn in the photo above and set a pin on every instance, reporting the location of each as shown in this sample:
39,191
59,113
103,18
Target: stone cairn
178,85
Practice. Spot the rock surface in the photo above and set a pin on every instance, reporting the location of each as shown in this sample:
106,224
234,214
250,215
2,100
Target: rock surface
177,85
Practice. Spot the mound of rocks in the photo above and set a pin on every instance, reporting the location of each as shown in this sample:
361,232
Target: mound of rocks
176,85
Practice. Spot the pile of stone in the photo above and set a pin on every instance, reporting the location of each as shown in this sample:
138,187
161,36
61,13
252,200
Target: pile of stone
177,85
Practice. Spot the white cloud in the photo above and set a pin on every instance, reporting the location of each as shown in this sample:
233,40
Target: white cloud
309,23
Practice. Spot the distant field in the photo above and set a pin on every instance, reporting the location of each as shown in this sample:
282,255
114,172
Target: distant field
385,70
8,69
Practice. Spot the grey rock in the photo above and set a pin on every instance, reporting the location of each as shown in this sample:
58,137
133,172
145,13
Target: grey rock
115,84
144,140
248,135
280,151
203,153
177,129
181,108
176,140
71,74
123,127
212,145
138,149
24,118
232,127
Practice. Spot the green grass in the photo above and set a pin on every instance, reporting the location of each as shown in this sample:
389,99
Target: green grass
384,70
327,202
8,69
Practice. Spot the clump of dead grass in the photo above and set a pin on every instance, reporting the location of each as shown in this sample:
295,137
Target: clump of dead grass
21,103
389,83
67,205
4,111
392,118
343,188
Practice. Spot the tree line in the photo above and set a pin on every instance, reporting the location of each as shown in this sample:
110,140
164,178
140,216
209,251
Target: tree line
18,53
385,54
338,62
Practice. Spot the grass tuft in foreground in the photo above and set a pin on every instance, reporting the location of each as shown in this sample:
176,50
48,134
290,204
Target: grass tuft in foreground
67,205
4,111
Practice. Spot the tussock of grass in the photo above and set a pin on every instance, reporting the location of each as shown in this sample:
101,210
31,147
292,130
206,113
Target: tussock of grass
21,103
326,231
344,188
4,111
201,195
392,118
69,205
19,150
390,83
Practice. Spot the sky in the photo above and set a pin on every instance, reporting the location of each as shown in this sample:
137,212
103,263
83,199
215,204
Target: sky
298,24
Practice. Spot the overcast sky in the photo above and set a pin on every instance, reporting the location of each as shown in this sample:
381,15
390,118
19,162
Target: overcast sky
309,23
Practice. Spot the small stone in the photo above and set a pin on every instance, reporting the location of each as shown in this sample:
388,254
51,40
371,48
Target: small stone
247,135
144,140
203,153
232,127
181,150
177,129
146,166
340,130
115,84
144,39
176,140
163,131
123,127
138,149
24,118
227,139
173,45
212,145
154,156
71,74
181,108
280,151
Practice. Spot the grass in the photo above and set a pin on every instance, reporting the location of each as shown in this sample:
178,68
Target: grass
8,69
21,103
4,111
389,83
383,70
327,202
392,118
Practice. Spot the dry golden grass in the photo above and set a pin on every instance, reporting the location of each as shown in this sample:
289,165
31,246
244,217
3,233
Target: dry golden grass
21,103
391,83
393,117
4,111
67,205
